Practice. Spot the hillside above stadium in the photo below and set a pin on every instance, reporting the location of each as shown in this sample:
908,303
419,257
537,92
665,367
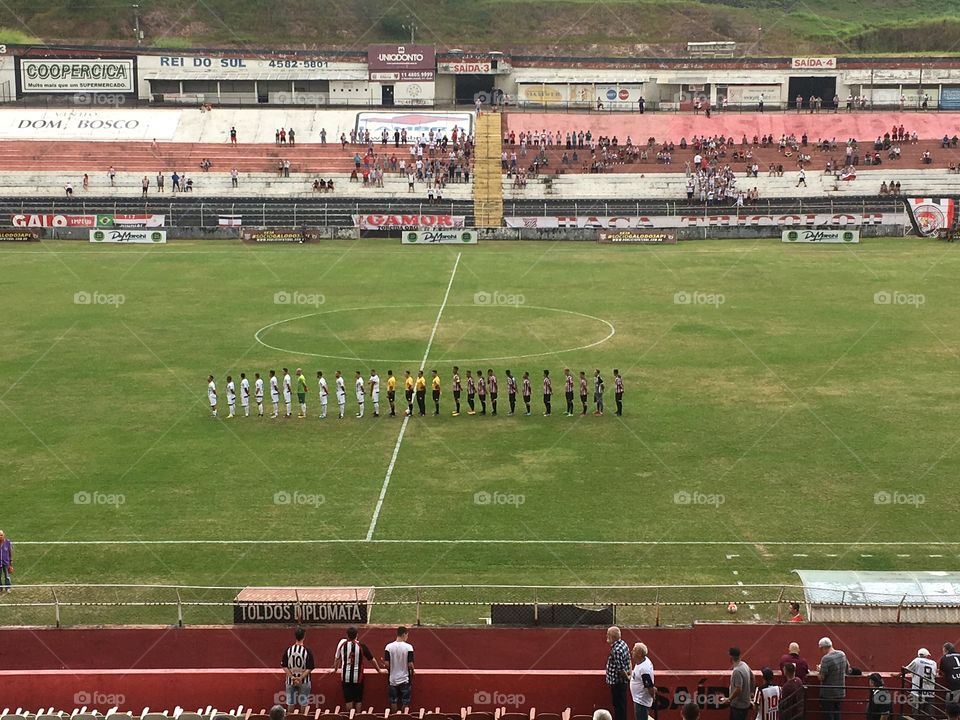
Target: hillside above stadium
653,27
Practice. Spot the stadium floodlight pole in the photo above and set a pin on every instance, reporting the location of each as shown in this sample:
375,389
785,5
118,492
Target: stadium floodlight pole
412,27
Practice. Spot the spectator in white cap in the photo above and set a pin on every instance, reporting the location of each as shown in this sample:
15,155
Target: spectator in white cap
923,673
833,670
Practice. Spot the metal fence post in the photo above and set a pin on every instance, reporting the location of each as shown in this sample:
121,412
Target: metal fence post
419,607
657,603
536,609
56,607
179,609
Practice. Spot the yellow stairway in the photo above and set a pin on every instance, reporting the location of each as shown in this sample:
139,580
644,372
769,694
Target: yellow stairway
487,180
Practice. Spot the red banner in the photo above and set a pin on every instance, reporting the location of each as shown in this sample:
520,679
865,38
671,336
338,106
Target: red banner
407,222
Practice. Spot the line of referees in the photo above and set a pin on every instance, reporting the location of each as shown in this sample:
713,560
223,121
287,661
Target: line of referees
479,389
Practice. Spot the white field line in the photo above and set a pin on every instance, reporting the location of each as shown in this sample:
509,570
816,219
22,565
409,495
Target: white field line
406,418
468,541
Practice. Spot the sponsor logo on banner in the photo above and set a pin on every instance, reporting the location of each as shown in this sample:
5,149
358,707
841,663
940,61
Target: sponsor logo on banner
415,123
280,235
49,221
439,237
637,237
408,222
614,222
931,215
401,62
818,235
17,235
304,613
132,221
135,237
814,63
70,76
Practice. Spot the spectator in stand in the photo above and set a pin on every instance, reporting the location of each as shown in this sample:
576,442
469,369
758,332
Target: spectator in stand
880,704
297,664
741,686
691,711
618,661
833,670
766,699
923,672
791,694
398,655
795,615
949,670
348,661
277,712
800,666
641,681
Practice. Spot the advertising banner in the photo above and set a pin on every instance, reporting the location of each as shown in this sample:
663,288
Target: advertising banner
415,123
392,63
439,237
608,222
131,221
107,124
931,215
637,237
133,237
18,235
77,76
230,220
839,237
278,235
408,222
51,221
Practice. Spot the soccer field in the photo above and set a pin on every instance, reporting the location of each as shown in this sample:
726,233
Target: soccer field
786,407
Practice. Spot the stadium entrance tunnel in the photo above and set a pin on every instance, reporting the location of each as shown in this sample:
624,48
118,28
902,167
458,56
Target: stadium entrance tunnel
469,87
823,87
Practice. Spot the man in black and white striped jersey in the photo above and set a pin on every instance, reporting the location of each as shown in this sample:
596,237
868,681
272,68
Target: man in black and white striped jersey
348,661
297,664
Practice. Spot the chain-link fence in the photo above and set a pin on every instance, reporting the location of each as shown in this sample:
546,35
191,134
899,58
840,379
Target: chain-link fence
66,605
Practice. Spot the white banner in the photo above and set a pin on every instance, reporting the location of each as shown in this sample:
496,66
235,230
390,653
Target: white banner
109,125
839,237
416,123
136,237
613,222
73,76
750,94
439,237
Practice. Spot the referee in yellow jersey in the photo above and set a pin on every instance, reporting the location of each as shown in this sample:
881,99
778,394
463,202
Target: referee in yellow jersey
421,393
436,393
408,391
392,392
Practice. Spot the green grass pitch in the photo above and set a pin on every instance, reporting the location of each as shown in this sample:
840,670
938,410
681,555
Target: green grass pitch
774,394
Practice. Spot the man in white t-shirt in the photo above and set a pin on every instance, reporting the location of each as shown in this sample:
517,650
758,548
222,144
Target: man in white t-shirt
641,682
231,396
358,383
923,674
245,394
212,395
324,394
399,658
274,394
341,393
258,393
288,393
375,392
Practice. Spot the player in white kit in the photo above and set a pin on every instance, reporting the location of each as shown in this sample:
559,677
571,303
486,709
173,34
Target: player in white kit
245,394
287,393
324,394
258,393
359,385
274,394
341,393
231,396
212,395
375,391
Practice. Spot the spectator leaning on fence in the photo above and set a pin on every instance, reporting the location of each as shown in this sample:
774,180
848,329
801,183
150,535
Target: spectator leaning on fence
741,687
833,670
618,672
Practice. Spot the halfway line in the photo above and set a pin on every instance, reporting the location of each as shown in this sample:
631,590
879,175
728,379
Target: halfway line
406,419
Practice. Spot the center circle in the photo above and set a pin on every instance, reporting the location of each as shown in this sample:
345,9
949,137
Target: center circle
396,315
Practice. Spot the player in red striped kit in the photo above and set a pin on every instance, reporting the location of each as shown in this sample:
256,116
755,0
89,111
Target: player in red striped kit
471,391
492,387
457,389
482,392
527,391
568,391
583,391
512,391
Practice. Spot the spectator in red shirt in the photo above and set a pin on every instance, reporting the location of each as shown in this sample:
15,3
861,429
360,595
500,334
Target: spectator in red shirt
801,668
795,615
791,694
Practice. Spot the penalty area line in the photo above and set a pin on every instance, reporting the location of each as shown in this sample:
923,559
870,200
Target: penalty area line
406,419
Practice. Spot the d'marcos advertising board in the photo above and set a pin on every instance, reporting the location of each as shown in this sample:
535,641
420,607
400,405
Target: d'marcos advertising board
134,237
69,75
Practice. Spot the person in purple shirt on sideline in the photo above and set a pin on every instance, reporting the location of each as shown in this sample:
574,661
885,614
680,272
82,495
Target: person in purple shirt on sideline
6,563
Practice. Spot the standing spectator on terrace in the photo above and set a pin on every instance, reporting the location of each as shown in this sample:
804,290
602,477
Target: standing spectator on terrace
291,137
323,136
398,656
6,563
145,183
112,172
741,687
233,135
641,682
923,672
68,189
760,103
950,671
791,694
234,177
641,103
175,182
160,181
86,182
618,661
348,661
833,670
879,705
800,666
297,664
600,107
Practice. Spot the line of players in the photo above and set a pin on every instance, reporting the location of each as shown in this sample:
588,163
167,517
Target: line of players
479,389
